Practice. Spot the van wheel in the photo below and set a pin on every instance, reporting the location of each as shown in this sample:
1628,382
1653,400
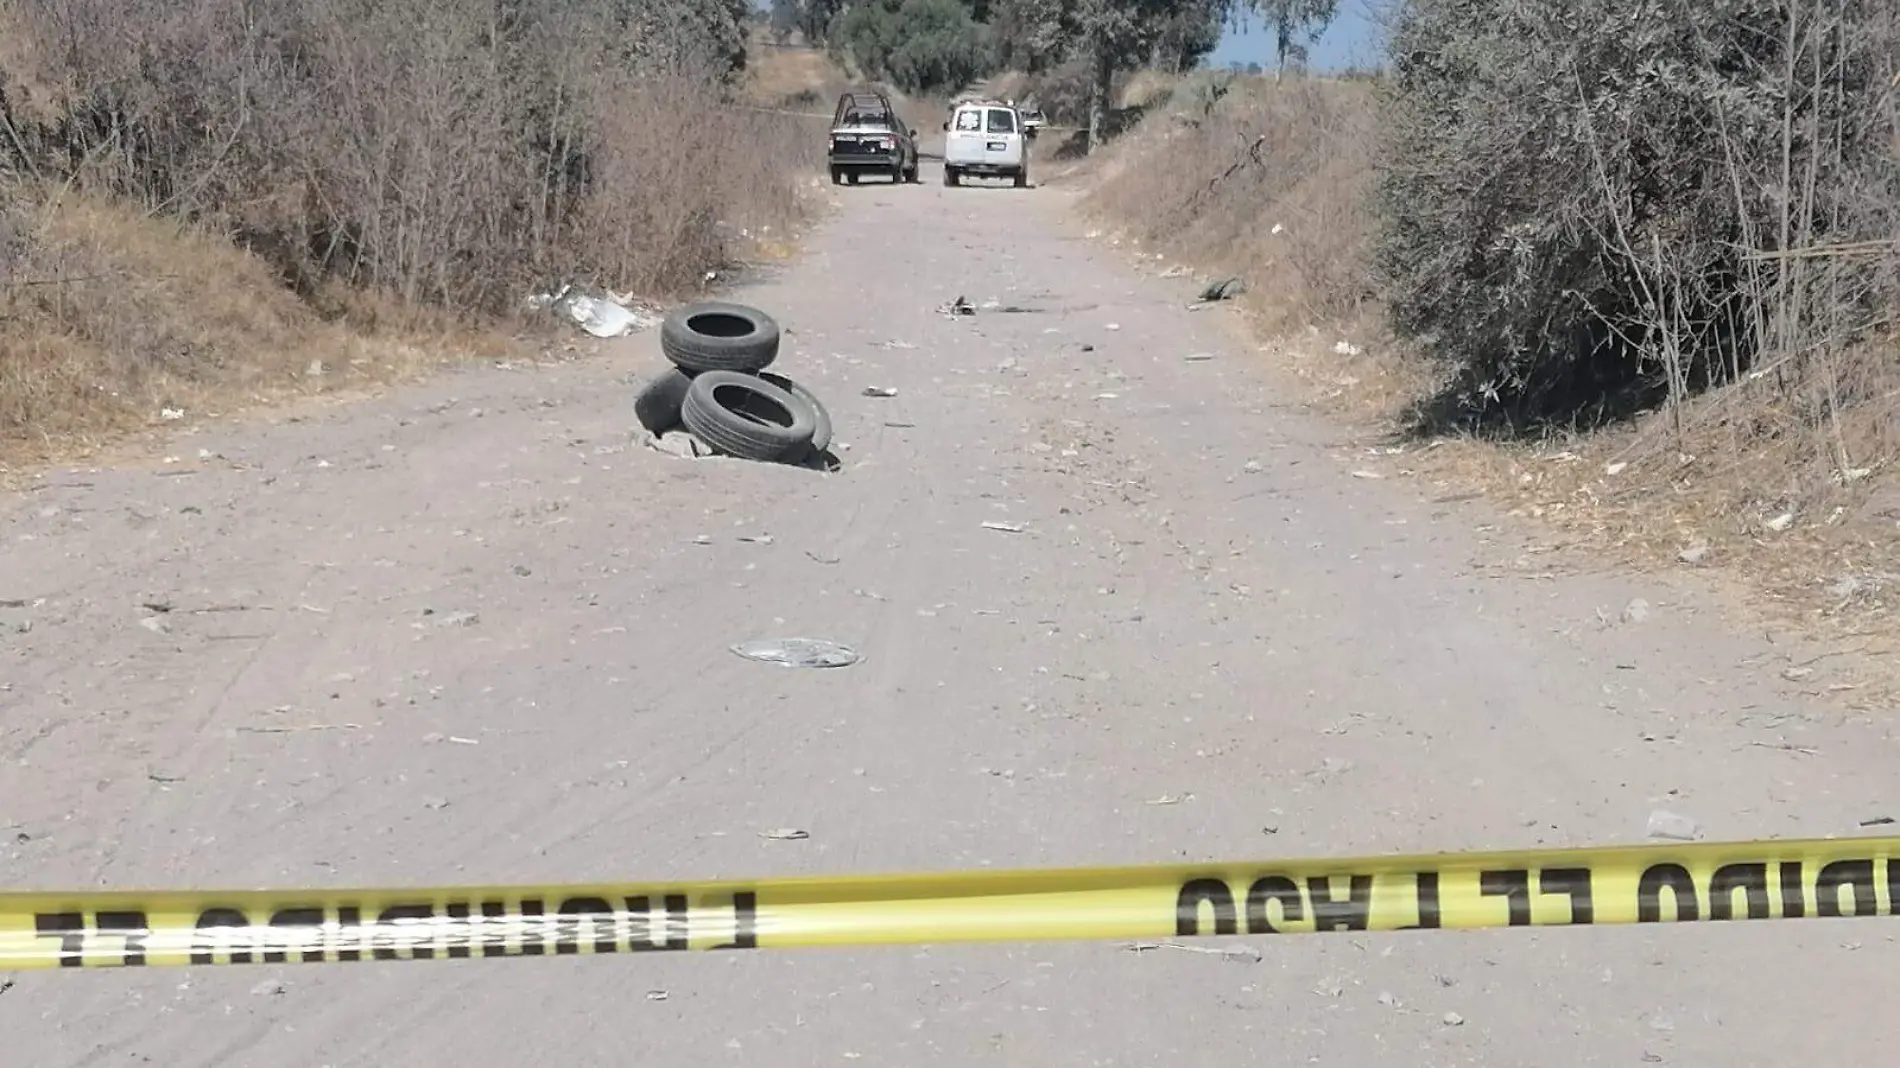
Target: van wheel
1022,177
949,175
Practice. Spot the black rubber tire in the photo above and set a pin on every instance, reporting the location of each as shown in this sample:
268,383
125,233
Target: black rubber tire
740,415
910,175
716,335
657,406
949,175
820,418
837,176
851,177
1022,177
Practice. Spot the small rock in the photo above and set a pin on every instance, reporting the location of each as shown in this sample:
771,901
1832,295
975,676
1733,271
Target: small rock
1672,826
1781,522
1636,611
1452,1019
522,570
156,624
1695,554
436,803
1616,468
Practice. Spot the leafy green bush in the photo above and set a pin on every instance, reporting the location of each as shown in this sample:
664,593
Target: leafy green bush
920,46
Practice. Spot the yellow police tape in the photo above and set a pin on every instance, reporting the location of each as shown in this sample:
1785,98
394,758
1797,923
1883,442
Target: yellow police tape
1544,887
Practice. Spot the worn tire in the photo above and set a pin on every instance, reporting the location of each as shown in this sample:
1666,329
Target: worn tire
820,418
745,416
718,336
949,175
837,176
1022,177
657,406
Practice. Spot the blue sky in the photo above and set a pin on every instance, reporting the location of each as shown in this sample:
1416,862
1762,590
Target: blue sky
1353,39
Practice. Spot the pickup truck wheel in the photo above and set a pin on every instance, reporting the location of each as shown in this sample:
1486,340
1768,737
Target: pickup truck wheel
821,419
748,417
657,405
837,176
949,175
851,177
718,336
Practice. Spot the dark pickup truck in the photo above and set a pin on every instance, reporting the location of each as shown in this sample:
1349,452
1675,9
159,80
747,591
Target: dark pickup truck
868,137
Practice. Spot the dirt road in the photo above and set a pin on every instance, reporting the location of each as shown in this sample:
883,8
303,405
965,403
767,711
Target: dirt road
1206,605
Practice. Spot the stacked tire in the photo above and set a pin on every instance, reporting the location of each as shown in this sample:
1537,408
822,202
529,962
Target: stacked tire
719,390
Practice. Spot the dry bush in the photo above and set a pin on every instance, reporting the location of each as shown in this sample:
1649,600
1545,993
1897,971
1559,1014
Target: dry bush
387,162
1258,180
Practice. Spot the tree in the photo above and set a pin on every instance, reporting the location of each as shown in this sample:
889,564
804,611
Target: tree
921,46
1115,35
1188,35
787,15
1030,35
1291,19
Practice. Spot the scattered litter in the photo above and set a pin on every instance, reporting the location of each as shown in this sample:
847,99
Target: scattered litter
1367,474
678,443
1346,348
823,559
1111,326
1169,799
957,307
1616,468
785,834
1007,528
1781,522
1672,826
879,391
1695,554
798,652
1224,289
1877,821
1636,611
303,727
603,315
459,619
757,539
269,988
1245,953
1198,357
463,741
156,624
171,415
656,995
901,426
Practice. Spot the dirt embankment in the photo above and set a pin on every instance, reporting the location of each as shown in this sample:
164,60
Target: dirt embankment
1782,479
333,198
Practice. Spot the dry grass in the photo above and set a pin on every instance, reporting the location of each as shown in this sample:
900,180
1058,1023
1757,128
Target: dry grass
112,322
1798,515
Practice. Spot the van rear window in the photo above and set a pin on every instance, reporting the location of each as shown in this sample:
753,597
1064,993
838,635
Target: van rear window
969,120
1002,121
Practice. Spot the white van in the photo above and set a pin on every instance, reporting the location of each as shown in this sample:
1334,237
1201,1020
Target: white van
986,138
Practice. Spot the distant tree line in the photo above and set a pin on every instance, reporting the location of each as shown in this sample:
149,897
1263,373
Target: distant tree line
936,46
